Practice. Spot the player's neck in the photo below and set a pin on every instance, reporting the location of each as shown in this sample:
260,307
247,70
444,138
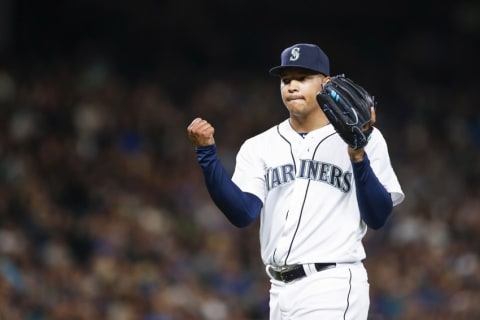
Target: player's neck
307,124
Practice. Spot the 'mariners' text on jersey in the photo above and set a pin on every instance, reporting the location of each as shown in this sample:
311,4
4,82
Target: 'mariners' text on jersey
312,170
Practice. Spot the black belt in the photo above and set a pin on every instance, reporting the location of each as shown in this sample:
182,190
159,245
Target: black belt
290,273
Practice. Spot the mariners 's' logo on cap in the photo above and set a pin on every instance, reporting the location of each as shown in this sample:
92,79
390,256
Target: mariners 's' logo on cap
295,54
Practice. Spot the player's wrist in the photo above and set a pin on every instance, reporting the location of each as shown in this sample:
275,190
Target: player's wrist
356,155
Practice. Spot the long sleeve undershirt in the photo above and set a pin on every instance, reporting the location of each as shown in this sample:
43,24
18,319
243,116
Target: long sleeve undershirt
242,208
374,201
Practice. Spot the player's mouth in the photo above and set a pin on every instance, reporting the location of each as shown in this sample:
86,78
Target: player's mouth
293,98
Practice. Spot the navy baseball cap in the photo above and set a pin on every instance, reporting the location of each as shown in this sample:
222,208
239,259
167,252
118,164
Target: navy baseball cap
303,55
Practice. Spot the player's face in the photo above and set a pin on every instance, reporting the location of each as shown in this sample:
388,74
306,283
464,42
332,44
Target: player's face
299,89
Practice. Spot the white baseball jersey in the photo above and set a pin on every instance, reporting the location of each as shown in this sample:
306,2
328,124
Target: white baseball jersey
310,212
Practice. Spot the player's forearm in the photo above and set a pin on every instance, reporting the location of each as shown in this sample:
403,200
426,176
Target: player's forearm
374,201
239,207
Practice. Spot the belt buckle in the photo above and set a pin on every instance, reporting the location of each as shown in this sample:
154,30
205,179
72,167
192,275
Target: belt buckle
281,270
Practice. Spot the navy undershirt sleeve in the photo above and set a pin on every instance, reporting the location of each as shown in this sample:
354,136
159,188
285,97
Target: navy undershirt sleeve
373,199
240,208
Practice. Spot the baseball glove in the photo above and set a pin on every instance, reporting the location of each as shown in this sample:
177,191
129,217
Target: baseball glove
347,106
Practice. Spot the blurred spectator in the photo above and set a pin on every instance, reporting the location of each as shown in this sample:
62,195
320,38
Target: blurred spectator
103,214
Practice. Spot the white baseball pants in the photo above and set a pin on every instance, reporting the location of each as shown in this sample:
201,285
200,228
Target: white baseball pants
340,293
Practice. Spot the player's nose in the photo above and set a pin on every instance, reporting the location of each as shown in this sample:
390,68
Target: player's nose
293,86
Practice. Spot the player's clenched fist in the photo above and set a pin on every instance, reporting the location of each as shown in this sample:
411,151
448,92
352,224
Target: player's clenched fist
200,132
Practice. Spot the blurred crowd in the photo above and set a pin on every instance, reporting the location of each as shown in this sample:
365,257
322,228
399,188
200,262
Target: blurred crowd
104,215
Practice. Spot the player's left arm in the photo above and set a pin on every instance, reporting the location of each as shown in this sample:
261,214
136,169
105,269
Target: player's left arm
374,201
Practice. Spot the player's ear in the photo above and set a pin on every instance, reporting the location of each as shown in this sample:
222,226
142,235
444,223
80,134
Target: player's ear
325,80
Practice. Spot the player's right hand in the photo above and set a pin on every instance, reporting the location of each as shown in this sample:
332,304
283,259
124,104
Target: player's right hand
200,132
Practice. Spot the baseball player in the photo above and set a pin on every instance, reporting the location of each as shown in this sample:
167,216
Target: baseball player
315,194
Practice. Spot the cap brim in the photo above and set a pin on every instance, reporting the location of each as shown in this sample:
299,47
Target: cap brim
277,71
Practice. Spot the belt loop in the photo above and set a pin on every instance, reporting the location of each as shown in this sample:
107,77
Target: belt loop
309,268
267,269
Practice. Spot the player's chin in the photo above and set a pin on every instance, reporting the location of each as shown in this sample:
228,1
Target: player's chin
295,105
295,111
301,108
299,114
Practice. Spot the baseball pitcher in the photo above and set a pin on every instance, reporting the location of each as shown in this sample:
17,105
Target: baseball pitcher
317,181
